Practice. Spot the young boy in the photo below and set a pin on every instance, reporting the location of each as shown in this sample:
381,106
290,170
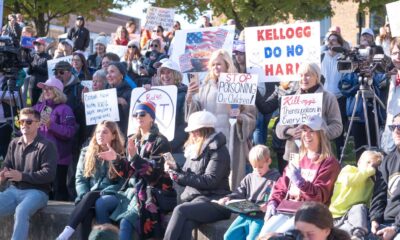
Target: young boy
352,194
255,187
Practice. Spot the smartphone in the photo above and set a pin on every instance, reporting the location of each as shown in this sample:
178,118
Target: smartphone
194,77
45,114
294,158
170,160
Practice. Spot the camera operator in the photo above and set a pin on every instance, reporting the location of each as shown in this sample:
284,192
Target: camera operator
350,84
12,29
37,69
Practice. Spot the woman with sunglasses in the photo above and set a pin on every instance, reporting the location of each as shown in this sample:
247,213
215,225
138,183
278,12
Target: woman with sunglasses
121,36
138,206
95,176
133,60
58,124
204,98
310,177
80,66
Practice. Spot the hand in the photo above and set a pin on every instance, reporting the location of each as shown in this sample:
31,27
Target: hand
271,211
13,175
132,149
147,87
108,155
223,200
46,122
294,174
263,207
374,227
122,101
387,233
295,132
192,89
84,90
2,174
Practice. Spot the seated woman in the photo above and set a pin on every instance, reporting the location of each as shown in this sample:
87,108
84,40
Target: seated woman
311,178
138,205
95,176
204,176
58,124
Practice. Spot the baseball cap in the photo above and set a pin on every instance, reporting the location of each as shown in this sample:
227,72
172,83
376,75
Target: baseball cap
62,65
40,40
52,82
80,18
367,31
168,63
316,123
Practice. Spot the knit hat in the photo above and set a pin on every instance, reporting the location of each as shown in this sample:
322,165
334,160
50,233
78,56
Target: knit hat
121,67
201,119
148,107
68,41
52,82
101,40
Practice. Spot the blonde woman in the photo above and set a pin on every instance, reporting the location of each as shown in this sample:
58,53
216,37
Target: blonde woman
57,123
204,97
309,178
95,176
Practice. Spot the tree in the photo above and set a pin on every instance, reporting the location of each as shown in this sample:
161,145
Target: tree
42,12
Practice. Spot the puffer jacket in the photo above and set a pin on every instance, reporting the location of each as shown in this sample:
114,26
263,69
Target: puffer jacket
206,174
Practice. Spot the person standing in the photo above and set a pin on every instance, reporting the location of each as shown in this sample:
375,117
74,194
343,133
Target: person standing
30,167
79,34
12,29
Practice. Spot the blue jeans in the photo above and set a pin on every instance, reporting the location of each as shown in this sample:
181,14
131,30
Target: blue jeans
23,204
105,205
260,132
244,227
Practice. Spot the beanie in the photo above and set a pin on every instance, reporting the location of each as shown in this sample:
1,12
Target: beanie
148,107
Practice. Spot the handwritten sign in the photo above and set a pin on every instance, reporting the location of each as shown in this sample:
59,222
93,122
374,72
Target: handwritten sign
52,63
237,88
392,10
296,109
276,52
117,49
165,99
192,48
160,16
101,105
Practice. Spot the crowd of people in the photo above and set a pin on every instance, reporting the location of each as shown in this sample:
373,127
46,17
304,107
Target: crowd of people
130,182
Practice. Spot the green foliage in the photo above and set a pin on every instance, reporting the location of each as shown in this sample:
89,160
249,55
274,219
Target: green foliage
41,12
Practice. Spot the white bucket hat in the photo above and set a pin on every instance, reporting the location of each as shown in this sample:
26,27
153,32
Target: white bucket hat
201,119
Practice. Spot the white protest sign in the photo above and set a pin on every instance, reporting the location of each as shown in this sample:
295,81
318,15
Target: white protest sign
193,47
87,84
160,16
392,10
296,109
164,98
52,63
101,105
117,49
276,52
237,88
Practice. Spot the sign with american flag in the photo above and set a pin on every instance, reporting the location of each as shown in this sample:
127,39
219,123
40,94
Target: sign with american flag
192,48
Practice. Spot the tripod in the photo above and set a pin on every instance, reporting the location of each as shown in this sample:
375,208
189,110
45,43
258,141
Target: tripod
9,96
365,92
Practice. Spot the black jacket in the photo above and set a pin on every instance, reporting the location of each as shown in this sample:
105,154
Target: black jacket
92,62
124,91
385,204
180,136
80,36
38,67
207,175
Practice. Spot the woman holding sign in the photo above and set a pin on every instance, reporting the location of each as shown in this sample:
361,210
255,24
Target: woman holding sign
147,193
205,98
57,124
310,75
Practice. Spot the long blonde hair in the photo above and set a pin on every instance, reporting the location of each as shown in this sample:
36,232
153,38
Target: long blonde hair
94,148
227,59
324,147
204,134
59,98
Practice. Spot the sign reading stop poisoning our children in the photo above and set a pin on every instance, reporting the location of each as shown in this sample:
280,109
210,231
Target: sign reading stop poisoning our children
237,88
164,97
296,109
276,52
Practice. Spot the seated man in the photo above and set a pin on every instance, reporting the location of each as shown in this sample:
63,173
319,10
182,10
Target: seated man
385,205
30,168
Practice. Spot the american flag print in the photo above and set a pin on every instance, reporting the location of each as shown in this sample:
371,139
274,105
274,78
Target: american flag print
206,40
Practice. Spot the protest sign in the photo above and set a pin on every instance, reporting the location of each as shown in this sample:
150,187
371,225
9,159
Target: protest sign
52,63
296,109
27,42
87,84
160,16
193,48
392,10
101,105
276,52
237,88
164,98
117,49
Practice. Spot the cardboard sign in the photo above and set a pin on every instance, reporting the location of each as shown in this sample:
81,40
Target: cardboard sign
117,49
392,10
52,63
101,105
237,88
164,98
276,52
192,48
296,109
160,16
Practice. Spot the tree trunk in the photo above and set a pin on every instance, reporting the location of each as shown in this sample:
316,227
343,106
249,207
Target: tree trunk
42,25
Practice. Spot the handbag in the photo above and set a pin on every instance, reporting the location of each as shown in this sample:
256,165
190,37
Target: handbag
289,206
166,200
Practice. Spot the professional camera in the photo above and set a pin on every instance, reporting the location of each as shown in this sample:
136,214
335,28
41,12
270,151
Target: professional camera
12,58
289,235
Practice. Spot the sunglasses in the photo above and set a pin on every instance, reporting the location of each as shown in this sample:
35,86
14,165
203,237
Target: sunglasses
154,45
156,30
27,121
394,127
139,114
131,46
